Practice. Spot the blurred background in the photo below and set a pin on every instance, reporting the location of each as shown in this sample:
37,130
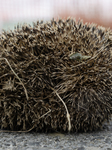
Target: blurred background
13,12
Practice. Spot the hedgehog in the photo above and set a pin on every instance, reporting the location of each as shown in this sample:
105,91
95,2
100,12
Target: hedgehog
55,76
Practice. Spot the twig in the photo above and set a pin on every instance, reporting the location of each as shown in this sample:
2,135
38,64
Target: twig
17,77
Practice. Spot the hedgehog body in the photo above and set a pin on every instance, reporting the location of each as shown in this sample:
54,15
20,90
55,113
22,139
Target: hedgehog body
35,64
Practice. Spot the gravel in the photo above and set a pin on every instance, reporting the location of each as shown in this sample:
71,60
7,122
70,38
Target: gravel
100,140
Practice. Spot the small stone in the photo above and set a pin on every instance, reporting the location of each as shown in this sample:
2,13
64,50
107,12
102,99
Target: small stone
81,148
108,140
109,149
92,148
29,149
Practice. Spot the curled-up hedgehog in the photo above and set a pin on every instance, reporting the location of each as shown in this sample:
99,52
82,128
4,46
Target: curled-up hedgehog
55,76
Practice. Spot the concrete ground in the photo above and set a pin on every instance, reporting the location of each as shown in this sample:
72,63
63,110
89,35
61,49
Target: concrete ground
100,140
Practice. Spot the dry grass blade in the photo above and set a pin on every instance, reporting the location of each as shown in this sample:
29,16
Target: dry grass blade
68,115
17,77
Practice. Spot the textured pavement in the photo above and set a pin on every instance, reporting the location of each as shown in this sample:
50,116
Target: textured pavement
100,140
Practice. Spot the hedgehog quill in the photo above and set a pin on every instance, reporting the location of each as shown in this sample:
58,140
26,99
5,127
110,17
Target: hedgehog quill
55,76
